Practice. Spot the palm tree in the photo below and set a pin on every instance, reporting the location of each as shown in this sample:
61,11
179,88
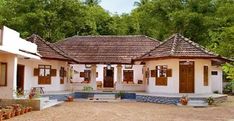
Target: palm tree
141,3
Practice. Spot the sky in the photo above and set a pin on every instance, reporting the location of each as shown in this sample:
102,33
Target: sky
118,6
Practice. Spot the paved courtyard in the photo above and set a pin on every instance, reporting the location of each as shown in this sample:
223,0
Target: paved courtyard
130,111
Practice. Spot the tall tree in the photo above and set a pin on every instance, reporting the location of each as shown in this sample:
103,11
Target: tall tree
92,2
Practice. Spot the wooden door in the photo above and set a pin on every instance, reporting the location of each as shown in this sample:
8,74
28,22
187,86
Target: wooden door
20,77
186,77
108,77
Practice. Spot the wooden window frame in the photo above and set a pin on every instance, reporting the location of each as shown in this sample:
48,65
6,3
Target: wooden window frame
128,81
161,75
62,75
206,75
3,63
41,79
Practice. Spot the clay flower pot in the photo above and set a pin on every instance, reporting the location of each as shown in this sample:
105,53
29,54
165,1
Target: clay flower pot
1,115
22,111
8,115
13,113
184,100
70,98
29,109
17,112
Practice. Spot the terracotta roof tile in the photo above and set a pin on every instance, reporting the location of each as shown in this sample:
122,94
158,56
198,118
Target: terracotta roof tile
46,49
106,49
179,46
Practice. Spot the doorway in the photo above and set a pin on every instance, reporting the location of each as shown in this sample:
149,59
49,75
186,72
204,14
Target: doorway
20,78
186,77
108,77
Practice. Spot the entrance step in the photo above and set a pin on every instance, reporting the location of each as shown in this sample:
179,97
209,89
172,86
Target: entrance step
195,103
46,102
104,97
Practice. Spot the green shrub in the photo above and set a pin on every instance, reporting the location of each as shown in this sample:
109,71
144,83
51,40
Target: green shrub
87,88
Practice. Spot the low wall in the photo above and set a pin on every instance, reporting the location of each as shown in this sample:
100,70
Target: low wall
173,100
86,95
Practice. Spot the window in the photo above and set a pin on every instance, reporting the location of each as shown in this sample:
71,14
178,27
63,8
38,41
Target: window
214,72
3,74
86,75
162,72
44,74
62,75
205,71
128,76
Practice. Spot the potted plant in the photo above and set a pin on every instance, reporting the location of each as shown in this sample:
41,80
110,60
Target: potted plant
7,113
17,109
12,110
22,110
184,100
70,98
210,100
29,109
1,115
120,95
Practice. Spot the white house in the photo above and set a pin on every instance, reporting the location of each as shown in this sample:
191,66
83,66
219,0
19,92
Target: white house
128,63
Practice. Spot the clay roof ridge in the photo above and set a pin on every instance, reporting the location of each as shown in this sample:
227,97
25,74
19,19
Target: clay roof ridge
123,36
161,44
174,44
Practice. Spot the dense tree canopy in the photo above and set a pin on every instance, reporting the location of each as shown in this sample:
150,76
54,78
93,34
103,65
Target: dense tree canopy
208,22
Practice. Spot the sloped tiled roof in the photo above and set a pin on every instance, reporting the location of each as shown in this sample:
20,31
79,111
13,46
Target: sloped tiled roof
106,49
46,49
181,47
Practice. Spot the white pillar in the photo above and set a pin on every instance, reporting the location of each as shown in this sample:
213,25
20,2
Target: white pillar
119,74
144,69
93,76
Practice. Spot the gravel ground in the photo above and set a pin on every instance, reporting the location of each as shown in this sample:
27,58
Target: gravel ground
130,111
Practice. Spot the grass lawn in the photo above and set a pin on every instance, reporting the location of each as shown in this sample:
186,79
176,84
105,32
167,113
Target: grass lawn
126,111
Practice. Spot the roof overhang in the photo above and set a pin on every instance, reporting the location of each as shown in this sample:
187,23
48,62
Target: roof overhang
221,59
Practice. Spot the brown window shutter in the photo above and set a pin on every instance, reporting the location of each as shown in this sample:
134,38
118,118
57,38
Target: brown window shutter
169,72
205,71
96,74
153,73
53,72
36,72
161,81
82,74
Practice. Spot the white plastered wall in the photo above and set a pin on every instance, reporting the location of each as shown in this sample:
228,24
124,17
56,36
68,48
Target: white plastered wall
81,67
217,80
32,81
173,82
7,92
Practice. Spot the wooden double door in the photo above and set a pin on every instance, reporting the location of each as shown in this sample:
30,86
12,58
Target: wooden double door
186,73
108,77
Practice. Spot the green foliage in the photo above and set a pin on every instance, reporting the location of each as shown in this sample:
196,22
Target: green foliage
87,88
208,22
210,100
229,69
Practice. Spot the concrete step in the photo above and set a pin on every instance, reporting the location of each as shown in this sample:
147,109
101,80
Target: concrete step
46,102
195,103
104,97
